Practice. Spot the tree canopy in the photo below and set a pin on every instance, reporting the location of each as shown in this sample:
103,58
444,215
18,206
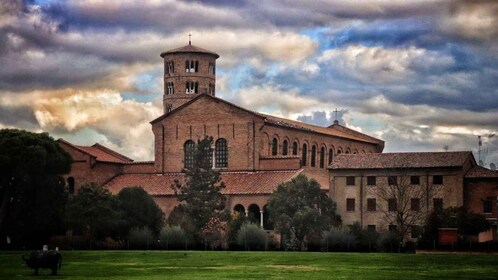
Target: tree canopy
200,194
299,208
32,190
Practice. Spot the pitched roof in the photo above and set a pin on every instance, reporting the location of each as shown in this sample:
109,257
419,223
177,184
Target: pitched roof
481,172
261,182
335,130
189,49
401,160
99,152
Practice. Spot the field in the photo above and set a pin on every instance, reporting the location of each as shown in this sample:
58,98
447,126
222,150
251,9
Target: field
252,265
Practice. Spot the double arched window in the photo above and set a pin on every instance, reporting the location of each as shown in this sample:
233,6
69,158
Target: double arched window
188,157
221,153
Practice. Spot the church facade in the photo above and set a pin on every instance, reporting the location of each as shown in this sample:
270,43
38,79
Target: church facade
254,152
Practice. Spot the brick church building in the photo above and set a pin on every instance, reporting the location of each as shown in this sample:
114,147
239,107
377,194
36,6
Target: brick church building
254,152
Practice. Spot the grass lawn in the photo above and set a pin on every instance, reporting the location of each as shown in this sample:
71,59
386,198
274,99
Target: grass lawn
247,265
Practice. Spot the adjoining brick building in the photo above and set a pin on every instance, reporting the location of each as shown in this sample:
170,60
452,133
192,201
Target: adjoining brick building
254,152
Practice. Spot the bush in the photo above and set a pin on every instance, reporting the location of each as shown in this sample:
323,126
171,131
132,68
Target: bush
141,238
366,240
389,242
173,238
338,240
251,237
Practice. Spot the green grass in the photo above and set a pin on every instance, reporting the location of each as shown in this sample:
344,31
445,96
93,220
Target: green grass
252,265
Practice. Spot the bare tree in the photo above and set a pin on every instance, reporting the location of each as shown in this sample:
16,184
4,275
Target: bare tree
404,199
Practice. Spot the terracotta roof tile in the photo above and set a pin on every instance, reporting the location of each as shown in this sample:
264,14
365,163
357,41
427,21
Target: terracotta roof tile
264,182
481,172
400,160
189,49
104,154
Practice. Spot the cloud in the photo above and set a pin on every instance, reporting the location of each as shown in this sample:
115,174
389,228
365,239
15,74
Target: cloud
380,65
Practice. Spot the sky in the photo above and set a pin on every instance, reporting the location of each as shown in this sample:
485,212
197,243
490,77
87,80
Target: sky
421,75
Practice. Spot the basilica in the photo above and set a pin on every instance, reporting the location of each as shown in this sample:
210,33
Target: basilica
256,152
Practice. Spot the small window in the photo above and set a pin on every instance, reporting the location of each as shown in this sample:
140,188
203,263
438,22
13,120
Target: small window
274,147
371,228
169,67
211,68
392,228
294,149
339,151
371,180
350,181
415,180
211,89
170,88
415,204
392,205
437,180
313,156
371,204
304,154
415,231
350,204
169,107
438,204
191,66
392,180
487,206
322,157
331,155
285,148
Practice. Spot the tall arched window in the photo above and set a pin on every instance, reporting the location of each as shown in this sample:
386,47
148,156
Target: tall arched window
188,156
274,147
322,157
331,155
285,147
313,156
221,153
294,149
304,154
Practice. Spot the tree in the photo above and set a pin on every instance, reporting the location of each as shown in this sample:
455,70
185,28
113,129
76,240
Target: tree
300,208
32,190
404,202
201,193
94,212
138,210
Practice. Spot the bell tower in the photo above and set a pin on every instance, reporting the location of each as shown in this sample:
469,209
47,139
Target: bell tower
188,72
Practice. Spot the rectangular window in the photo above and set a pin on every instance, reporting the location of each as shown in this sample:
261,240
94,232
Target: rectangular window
415,180
371,180
371,228
371,204
437,180
392,228
487,206
438,204
392,205
415,204
392,180
350,204
350,181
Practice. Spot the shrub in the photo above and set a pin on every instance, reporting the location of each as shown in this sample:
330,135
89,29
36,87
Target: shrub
338,240
389,242
173,237
251,237
141,238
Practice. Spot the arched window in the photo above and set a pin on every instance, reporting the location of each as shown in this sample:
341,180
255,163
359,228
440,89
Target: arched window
304,154
339,151
294,149
191,87
191,66
240,209
285,148
221,153
322,157
70,185
331,155
313,156
274,147
188,157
